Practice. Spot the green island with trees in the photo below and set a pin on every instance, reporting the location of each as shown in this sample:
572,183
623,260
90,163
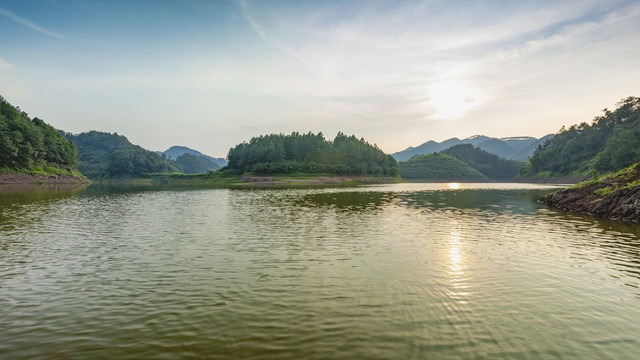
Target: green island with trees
309,153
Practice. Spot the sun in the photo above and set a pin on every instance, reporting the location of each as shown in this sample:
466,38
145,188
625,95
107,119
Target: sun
450,100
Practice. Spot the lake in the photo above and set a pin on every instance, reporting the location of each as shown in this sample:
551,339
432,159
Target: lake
402,271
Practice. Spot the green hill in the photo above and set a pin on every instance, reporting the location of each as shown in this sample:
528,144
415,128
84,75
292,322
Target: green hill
310,153
490,165
438,166
176,151
104,155
609,143
195,164
31,145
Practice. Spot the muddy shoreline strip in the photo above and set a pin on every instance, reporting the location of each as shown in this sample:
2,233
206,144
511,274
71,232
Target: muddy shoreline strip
38,179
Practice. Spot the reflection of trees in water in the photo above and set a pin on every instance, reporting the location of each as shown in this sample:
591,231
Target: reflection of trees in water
521,201
349,201
21,206
618,242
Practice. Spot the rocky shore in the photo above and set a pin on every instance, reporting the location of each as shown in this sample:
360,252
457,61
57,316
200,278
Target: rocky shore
614,197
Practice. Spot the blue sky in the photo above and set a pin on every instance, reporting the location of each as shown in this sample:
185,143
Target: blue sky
211,74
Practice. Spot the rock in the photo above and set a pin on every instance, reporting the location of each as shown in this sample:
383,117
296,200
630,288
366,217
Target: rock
614,197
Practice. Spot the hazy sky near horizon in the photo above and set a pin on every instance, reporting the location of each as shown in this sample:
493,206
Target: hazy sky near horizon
211,74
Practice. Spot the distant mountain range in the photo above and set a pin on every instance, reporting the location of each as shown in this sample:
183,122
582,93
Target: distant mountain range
512,148
175,152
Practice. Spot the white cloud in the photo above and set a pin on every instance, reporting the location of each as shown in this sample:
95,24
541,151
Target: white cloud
27,23
5,65
370,68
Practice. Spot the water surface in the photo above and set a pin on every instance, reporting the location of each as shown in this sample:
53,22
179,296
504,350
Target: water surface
388,271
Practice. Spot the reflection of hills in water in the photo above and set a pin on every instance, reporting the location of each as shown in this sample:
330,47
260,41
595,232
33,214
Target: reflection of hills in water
23,194
355,200
618,242
519,201
615,240
515,201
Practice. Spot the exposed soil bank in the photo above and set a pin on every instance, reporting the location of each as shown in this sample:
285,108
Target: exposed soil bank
248,181
616,197
274,181
37,179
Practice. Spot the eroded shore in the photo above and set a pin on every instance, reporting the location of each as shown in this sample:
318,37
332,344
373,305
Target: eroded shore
615,197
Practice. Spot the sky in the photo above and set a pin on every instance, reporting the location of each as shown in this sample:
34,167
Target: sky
211,74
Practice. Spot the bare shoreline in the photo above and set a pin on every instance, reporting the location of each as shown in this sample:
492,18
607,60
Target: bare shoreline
39,179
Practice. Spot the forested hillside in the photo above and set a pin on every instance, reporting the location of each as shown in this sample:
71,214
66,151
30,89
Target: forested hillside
610,142
176,151
195,164
438,166
310,153
31,144
109,155
490,165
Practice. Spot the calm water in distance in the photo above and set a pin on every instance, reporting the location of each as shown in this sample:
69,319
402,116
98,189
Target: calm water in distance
403,271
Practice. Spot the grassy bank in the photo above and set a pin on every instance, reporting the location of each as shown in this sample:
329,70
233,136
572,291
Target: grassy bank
41,170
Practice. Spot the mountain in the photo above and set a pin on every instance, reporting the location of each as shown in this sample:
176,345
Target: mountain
438,166
497,147
513,148
175,152
104,155
528,151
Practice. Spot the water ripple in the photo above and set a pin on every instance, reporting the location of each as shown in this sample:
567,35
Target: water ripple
393,271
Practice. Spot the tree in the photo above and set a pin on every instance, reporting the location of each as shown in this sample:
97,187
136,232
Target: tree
26,143
609,143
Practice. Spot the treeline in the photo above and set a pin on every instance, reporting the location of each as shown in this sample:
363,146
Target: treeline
460,162
310,153
104,155
31,144
609,143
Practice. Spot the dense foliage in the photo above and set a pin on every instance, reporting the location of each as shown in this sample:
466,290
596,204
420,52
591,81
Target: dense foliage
491,165
438,166
310,153
27,144
195,164
111,155
611,142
